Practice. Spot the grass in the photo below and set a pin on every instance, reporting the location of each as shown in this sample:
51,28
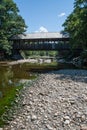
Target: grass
5,102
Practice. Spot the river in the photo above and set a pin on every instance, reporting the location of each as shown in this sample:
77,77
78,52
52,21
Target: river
13,75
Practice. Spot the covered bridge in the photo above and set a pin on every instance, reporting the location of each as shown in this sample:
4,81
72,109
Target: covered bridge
41,41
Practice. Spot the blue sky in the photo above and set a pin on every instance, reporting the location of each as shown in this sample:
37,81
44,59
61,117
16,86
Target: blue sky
44,15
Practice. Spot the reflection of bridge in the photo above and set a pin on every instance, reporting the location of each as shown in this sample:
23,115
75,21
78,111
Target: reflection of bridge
41,41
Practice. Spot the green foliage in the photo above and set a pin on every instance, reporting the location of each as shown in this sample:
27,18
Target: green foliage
11,23
76,24
40,53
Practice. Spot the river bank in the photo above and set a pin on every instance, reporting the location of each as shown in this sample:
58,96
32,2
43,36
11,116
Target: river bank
56,101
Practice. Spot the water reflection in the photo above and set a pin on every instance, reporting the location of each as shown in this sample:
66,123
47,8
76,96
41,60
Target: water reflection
11,76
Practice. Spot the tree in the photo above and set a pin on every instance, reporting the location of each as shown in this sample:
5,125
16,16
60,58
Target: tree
76,24
11,23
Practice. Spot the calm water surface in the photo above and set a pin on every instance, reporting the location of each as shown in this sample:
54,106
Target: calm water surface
13,75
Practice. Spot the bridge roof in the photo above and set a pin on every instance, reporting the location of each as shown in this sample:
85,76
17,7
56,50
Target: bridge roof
42,35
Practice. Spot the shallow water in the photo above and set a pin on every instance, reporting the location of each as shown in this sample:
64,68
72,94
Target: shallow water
10,76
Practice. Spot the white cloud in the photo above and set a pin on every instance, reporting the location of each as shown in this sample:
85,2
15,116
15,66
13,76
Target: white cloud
62,14
42,29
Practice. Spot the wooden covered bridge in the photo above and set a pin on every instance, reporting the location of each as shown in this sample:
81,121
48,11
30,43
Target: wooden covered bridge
41,41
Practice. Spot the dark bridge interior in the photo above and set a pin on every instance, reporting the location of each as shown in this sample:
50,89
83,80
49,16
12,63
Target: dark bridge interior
52,44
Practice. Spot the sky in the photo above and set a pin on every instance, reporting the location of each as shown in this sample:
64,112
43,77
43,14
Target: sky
44,15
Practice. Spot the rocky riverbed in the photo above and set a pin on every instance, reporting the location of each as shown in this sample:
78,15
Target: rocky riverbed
56,101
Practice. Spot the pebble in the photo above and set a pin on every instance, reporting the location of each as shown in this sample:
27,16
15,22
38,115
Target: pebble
67,122
1,128
83,118
49,127
83,127
67,118
33,117
56,114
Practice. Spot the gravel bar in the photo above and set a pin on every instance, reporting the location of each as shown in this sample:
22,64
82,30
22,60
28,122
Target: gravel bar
56,101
